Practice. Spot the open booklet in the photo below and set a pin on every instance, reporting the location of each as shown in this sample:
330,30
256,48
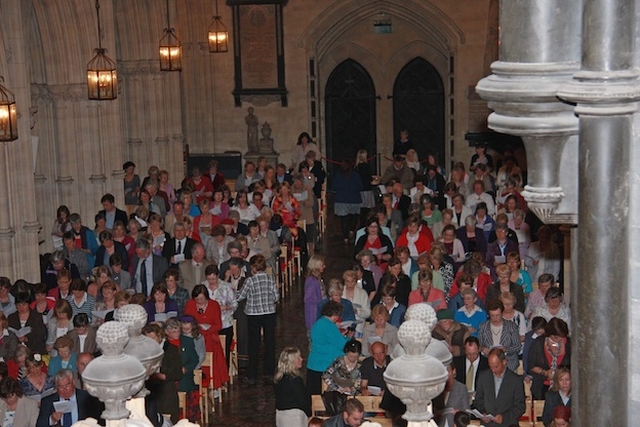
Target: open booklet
22,332
380,251
479,415
101,314
162,317
39,397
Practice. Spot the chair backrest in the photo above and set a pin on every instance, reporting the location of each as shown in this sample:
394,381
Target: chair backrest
182,403
197,377
371,403
317,405
207,365
538,408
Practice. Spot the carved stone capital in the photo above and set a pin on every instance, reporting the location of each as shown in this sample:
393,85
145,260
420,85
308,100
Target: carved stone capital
39,178
7,233
31,226
610,93
117,173
65,180
97,178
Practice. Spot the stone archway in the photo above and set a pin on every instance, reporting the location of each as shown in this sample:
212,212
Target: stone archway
424,31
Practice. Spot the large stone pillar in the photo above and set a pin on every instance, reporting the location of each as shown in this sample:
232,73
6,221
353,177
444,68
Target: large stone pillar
539,51
606,91
19,224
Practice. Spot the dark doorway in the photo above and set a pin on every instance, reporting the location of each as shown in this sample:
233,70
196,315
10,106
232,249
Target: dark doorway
350,113
418,106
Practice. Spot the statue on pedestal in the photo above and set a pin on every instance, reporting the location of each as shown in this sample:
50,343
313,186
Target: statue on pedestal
266,143
252,131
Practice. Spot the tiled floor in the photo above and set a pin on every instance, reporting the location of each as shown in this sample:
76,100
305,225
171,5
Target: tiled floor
253,406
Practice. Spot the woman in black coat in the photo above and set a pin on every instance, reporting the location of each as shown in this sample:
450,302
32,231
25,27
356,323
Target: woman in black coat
162,384
108,247
293,403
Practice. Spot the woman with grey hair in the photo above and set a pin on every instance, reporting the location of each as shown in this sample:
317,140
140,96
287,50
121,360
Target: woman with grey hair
471,237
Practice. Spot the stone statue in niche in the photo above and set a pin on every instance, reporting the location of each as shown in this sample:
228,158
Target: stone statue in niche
266,143
252,131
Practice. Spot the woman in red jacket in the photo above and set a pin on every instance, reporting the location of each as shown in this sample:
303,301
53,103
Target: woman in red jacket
207,313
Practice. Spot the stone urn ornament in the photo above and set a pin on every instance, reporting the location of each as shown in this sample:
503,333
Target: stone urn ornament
416,377
115,376
143,348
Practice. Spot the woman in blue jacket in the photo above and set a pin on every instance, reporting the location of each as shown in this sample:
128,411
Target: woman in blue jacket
327,344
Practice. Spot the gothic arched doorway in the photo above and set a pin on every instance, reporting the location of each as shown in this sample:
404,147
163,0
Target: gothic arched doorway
350,112
418,106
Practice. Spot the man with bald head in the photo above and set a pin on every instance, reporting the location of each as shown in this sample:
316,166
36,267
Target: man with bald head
83,360
373,367
499,392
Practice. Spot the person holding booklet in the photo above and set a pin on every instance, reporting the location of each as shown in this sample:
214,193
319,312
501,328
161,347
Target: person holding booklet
502,406
160,307
37,384
426,293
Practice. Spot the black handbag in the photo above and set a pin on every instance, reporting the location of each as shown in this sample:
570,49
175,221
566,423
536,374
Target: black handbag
333,402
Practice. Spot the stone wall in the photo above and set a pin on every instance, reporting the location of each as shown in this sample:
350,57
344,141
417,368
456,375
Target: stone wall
79,145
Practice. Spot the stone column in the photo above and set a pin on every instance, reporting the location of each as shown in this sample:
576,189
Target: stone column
19,214
606,91
539,50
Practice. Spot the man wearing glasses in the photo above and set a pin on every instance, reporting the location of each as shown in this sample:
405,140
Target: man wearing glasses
68,404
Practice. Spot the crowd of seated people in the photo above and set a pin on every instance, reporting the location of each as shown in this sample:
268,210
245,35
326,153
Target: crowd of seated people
185,253
466,260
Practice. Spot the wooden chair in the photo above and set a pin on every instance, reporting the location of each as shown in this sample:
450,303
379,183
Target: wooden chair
207,368
182,404
233,353
317,405
283,262
538,409
204,402
297,250
371,403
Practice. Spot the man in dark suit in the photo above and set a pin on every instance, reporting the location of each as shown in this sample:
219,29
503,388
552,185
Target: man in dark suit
111,213
146,268
178,248
400,201
472,357
282,175
499,392
83,405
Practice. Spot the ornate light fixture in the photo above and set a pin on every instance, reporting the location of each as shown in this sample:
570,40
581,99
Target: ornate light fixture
170,49
218,35
8,114
102,79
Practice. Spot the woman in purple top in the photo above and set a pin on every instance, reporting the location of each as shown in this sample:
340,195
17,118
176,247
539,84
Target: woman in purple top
313,289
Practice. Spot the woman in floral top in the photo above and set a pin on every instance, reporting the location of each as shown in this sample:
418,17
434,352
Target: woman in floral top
343,375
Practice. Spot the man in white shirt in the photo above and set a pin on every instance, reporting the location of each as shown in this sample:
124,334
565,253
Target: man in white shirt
478,196
472,358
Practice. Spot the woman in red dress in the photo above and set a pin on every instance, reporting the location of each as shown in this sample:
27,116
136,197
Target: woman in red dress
207,313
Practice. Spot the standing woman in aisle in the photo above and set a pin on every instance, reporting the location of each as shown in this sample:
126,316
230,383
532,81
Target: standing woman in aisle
293,403
313,289
364,170
347,187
